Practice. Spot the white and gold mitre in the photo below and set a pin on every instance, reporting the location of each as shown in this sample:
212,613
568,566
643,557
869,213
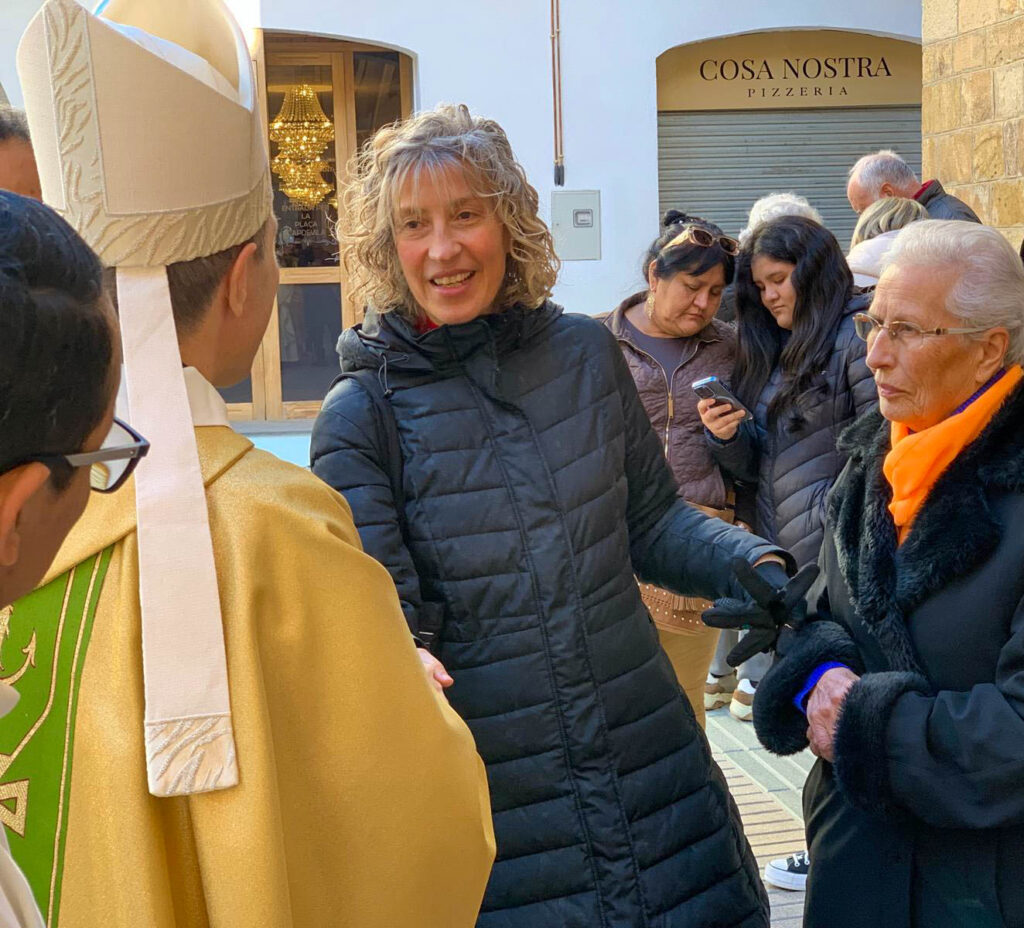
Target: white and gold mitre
145,123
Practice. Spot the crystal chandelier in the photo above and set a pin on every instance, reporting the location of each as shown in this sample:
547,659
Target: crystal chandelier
304,184
302,132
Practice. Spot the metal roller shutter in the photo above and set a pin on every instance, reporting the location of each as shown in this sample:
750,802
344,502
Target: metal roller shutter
717,163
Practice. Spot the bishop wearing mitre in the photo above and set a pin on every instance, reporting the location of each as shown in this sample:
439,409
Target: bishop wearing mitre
223,721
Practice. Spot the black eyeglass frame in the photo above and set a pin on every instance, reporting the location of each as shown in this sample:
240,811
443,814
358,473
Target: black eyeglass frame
132,453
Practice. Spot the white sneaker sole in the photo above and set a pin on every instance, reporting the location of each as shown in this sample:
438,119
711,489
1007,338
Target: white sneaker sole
739,711
716,701
783,879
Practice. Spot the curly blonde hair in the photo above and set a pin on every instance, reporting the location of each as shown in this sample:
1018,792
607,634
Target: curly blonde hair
448,135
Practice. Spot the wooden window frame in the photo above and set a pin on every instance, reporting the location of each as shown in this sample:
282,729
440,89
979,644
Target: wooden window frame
267,397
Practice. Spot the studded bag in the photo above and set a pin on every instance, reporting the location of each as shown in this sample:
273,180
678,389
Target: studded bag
674,613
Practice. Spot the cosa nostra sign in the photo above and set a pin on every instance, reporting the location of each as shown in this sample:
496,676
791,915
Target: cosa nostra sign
793,71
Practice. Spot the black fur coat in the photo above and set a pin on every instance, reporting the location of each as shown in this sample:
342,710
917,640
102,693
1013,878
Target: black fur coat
926,796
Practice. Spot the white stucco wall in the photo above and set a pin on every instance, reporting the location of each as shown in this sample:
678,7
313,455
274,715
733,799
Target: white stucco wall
496,57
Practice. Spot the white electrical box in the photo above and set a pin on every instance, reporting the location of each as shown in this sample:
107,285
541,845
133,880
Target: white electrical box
576,224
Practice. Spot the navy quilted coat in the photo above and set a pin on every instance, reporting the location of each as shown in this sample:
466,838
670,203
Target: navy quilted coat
534,489
794,469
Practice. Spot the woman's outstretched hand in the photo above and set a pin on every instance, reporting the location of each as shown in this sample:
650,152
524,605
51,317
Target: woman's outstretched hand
776,602
439,678
719,418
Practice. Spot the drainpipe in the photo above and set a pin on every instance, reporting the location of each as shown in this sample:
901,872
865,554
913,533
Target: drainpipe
556,88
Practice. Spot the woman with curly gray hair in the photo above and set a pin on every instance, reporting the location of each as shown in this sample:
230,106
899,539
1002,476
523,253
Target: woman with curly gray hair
500,465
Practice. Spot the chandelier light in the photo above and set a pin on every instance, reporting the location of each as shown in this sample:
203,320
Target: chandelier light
304,184
302,132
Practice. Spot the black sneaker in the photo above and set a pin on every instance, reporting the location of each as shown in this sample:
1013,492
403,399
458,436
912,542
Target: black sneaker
788,872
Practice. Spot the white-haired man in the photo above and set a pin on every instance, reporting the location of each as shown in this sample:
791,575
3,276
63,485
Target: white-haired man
885,174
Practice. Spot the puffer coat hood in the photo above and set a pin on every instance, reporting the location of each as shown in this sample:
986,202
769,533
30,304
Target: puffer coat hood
534,490
865,259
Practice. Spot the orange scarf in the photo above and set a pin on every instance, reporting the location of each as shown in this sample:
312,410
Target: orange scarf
917,459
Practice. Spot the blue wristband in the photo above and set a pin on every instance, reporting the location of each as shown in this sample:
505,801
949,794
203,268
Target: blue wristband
800,700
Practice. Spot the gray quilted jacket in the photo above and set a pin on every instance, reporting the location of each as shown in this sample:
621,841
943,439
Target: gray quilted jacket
794,468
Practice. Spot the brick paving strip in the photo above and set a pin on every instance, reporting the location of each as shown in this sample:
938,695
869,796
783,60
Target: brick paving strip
773,831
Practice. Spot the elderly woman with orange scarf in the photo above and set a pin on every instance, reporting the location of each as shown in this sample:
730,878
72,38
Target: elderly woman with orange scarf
907,676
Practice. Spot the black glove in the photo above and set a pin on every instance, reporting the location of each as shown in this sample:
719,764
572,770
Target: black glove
777,603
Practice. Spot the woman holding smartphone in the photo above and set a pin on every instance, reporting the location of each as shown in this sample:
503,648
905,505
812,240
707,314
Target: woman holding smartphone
800,370
670,338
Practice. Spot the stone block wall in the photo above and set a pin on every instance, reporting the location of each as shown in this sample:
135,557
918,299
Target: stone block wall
972,105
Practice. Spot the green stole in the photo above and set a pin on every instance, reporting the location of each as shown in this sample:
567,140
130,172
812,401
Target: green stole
44,638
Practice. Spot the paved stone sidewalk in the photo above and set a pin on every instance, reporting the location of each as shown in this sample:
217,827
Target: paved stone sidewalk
767,791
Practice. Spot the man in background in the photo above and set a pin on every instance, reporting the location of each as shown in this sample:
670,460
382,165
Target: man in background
885,174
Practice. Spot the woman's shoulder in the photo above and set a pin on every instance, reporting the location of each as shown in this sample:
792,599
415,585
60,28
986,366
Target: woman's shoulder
348,409
846,331
348,393
589,332
719,330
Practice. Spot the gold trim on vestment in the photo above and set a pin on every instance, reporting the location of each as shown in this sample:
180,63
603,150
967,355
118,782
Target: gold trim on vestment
68,728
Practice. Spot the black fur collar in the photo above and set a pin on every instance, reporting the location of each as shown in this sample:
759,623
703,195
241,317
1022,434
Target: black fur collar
955,531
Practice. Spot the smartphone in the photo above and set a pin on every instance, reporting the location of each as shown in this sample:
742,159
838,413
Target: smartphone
711,388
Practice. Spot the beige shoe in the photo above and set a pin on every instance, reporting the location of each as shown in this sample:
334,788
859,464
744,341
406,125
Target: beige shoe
718,691
741,706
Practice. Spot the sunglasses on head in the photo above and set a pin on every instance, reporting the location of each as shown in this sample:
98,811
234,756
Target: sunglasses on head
109,467
704,239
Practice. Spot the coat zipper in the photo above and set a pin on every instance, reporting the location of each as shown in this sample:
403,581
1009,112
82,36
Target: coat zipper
668,386
669,381
671,413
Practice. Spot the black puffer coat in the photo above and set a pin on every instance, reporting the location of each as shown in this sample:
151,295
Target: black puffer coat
535,487
793,469
925,802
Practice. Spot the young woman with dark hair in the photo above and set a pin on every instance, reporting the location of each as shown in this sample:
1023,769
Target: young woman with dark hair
59,370
670,337
800,370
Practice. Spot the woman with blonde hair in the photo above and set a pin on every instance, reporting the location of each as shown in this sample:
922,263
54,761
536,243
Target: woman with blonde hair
499,463
875,234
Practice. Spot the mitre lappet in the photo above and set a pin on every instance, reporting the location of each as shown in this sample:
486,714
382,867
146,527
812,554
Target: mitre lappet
145,121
